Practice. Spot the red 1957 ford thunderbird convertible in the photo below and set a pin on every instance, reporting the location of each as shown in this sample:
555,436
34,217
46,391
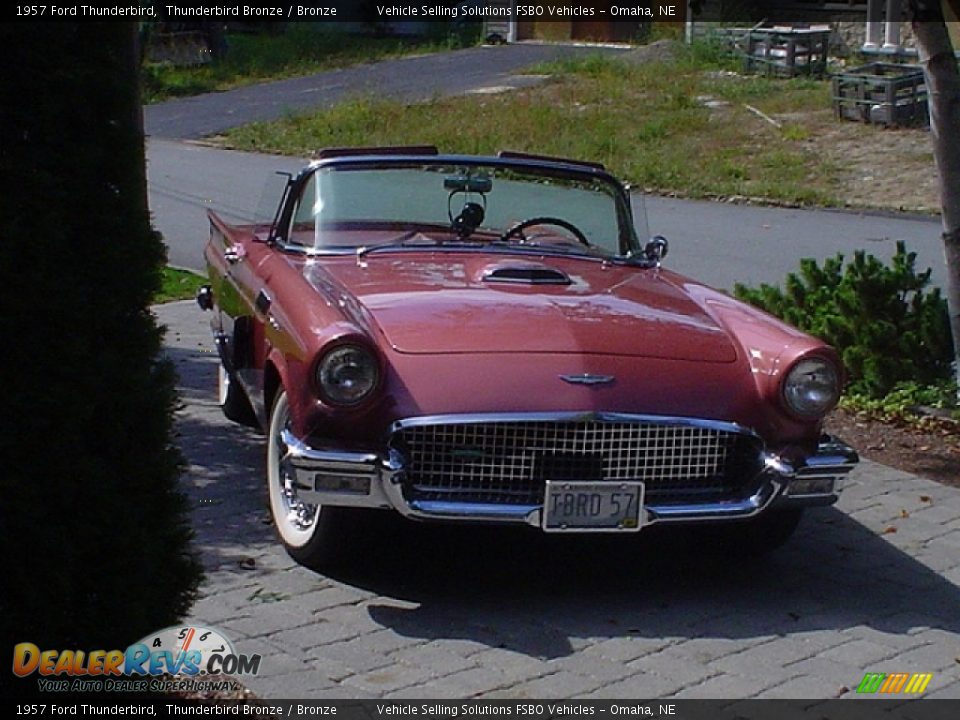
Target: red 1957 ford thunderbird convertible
487,339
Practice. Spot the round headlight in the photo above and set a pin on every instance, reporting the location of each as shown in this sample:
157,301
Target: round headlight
812,387
347,374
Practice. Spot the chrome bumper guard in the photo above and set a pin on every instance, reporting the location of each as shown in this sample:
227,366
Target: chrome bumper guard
820,479
333,476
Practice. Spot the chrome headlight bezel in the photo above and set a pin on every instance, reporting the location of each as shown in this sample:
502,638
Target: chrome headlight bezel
811,388
347,374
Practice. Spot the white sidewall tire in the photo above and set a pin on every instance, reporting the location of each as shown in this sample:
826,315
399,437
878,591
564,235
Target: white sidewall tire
233,400
223,385
294,537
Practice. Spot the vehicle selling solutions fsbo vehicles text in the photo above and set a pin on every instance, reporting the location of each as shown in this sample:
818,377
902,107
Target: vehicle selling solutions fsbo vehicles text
455,12
451,12
560,11
517,709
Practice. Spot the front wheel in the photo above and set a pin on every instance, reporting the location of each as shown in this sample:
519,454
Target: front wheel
308,532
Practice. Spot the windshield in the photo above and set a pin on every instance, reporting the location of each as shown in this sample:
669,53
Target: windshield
345,207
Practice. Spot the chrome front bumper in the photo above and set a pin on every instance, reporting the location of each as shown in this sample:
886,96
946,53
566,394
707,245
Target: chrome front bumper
333,476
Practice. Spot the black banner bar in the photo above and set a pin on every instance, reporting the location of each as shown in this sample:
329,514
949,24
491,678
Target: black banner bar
852,709
405,11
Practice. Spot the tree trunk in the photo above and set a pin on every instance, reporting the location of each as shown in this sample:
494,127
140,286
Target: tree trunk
943,87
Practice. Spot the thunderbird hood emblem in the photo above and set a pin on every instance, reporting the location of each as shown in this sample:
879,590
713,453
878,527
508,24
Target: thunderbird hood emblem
588,379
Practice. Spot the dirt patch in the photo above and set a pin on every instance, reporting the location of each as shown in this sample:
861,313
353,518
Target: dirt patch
879,167
658,51
872,166
934,455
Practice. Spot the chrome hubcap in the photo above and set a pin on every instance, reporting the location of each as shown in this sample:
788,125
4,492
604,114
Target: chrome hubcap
300,515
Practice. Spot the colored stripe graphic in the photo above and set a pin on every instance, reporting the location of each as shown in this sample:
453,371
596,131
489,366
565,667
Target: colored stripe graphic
918,683
871,682
892,683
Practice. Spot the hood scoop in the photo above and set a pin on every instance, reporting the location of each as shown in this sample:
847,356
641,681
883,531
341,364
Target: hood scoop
524,273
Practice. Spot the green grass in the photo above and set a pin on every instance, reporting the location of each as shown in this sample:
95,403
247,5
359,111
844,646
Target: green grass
644,122
301,50
178,285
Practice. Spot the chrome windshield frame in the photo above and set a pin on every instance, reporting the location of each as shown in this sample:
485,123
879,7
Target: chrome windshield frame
627,235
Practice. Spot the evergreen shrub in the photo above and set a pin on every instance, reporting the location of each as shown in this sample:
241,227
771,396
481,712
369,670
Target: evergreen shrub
887,323
94,530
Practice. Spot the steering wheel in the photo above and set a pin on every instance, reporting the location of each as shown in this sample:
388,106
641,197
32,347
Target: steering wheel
519,227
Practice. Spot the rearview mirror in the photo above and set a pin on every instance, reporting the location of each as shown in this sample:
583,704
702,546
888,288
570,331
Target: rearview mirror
468,183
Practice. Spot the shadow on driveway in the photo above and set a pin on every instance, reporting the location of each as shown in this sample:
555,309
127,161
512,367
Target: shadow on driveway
519,589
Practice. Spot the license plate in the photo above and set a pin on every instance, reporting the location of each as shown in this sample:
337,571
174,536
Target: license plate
592,506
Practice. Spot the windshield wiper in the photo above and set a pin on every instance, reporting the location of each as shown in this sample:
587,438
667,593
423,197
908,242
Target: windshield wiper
400,242
557,248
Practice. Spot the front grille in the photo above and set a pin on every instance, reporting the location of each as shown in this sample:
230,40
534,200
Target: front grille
508,461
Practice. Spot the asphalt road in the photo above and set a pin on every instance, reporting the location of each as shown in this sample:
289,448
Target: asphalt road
716,243
413,78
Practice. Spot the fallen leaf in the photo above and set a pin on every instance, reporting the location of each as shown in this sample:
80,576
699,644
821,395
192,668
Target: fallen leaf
904,514
925,498
842,690
889,531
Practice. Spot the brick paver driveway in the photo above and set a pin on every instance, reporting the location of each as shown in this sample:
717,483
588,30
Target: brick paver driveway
434,612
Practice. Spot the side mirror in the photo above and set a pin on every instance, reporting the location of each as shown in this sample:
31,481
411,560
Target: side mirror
656,248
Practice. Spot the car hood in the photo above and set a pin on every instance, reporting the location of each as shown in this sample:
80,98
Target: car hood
448,302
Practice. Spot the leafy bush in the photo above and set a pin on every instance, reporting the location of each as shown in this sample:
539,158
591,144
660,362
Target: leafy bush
887,324
907,403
